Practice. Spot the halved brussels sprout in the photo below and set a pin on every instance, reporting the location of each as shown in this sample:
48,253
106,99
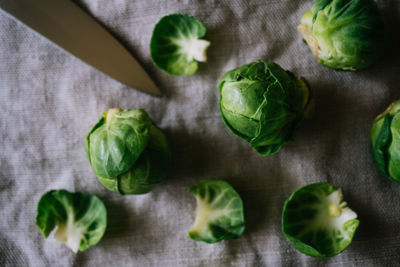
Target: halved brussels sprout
176,46
219,213
128,153
263,104
317,221
385,136
80,219
344,34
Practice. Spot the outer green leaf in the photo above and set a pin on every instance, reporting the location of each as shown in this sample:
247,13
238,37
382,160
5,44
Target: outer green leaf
317,222
219,212
263,104
148,171
80,219
381,137
344,34
176,46
385,139
394,148
128,153
117,141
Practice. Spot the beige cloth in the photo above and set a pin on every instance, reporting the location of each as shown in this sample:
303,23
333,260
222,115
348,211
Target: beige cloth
49,99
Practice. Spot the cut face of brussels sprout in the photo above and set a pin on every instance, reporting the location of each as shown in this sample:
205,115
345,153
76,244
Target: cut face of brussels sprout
344,34
385,136
80,219
127,152
263,104
317,221
219,213
176,46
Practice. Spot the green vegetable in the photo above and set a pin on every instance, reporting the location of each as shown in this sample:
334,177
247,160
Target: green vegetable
80,219
344,34
385,136
317,221
128,153
219,213
176,46
263,104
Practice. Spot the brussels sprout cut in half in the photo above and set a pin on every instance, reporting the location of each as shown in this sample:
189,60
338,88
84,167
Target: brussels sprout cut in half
263,104
317,221
128,153
80,219
344,34
176,46
385,136
219,213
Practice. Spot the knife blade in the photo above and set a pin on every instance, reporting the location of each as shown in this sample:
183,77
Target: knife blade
67,25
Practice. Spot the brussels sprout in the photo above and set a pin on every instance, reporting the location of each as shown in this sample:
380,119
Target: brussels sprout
344,34
219,213
176,46
385,136
80,219
317,221
263,104
128,153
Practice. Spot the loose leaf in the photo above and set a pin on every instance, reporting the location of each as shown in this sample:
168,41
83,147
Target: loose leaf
176,46
219,212
317,221
80,219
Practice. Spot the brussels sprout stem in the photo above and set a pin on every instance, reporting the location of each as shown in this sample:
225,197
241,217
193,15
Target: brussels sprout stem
110,115
336,206
311,41
392,110
195,49
69,234
203,213
334,210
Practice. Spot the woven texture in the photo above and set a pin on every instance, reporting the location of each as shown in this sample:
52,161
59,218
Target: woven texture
49,99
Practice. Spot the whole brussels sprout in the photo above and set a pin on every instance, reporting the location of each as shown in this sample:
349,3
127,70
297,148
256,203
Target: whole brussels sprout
128,153
344,34
317,221
263,104
386,142
79,219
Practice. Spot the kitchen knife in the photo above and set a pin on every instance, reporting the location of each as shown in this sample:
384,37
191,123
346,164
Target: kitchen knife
67,25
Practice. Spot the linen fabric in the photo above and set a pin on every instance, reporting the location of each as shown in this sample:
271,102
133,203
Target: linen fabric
49,100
